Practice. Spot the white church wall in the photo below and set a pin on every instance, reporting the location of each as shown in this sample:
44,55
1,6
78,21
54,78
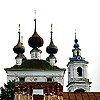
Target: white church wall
59,80
36,73
35,79
72,68
36,76
75,86
79,81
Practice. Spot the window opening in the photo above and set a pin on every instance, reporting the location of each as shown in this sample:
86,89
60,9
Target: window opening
22,79
49,79
79,71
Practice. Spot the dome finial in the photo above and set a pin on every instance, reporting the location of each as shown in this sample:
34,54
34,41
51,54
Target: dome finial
76,40
19,28
75,34
19,32
35,13
51,31
35,20
76,45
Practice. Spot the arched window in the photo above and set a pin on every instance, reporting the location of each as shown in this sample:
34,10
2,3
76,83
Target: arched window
79,90
79,71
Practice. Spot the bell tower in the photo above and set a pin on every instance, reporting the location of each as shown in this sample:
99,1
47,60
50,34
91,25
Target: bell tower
77,71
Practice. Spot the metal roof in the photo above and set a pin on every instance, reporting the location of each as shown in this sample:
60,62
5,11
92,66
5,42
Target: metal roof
34,65
81,96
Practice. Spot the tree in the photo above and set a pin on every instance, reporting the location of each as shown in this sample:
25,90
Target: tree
7,92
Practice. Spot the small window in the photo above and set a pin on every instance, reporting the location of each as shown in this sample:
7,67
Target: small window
22,79
49,79
79,71
36,55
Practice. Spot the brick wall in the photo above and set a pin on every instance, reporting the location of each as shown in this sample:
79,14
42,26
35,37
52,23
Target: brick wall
28,97
22,97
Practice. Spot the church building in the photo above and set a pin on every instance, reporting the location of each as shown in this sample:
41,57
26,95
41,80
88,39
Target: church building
38,79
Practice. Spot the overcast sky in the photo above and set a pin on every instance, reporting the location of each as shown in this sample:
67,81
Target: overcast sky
66,16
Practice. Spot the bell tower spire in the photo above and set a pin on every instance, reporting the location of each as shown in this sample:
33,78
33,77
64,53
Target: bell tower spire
77,71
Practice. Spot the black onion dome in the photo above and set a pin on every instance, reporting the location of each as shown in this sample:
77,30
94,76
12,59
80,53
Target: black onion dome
52,49
19,48
35,40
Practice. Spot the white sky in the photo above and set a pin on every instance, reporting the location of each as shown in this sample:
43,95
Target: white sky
66,16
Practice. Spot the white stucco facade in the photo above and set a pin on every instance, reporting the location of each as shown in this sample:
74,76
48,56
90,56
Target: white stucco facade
76,81
72,70
36,76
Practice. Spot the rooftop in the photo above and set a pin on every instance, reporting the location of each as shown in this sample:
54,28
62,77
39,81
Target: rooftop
81,96
34,65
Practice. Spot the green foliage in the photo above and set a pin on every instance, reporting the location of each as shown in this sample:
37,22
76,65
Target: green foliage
7,92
